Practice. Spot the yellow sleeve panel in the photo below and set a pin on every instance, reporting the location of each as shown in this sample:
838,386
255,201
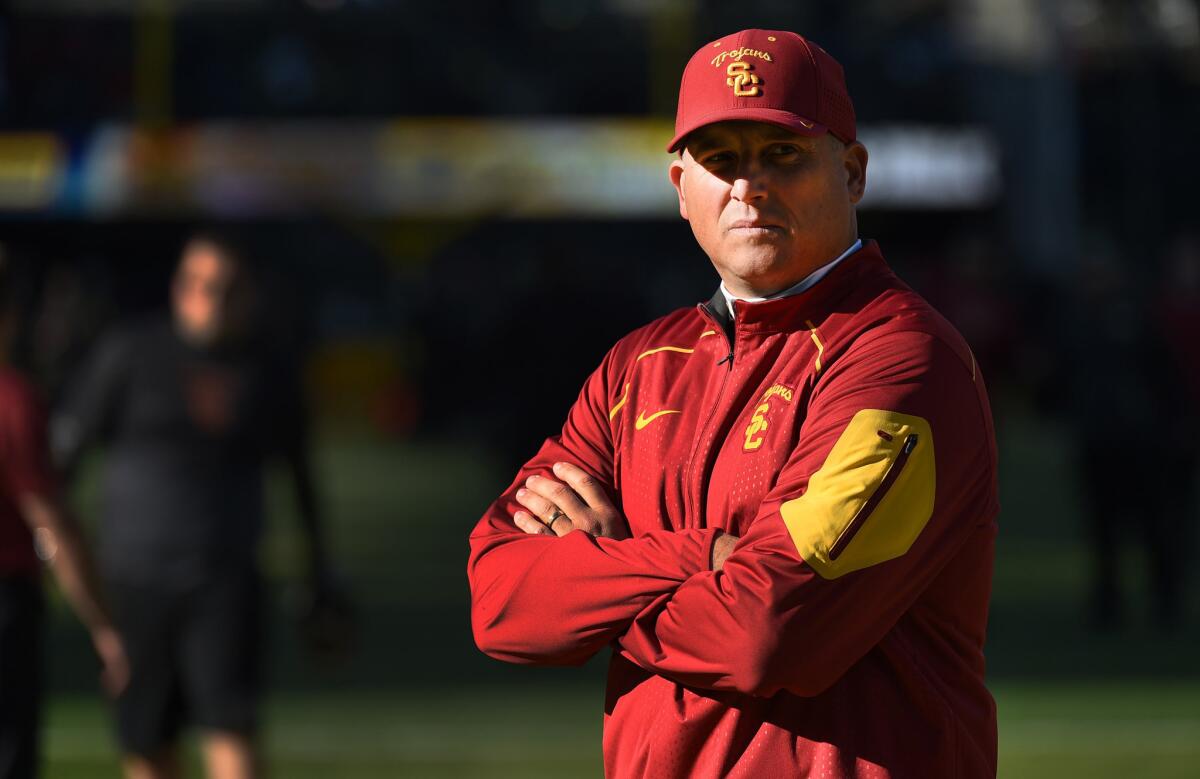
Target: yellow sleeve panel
870,499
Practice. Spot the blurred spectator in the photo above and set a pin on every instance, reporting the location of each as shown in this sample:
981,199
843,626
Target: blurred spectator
189,410
1178,307
30,512
73,302
1133,432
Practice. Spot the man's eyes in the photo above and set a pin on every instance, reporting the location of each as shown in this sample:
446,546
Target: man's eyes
777,152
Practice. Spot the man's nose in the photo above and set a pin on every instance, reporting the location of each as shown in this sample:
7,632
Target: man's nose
750,184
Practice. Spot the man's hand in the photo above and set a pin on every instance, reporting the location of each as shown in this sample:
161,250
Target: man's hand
578,504
722,548
327,622
114,663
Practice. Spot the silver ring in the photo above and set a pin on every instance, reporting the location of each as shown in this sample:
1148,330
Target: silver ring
554,517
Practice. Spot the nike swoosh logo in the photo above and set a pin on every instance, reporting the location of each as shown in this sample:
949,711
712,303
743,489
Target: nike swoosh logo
644,420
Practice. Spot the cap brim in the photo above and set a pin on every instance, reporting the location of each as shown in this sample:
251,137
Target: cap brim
785,119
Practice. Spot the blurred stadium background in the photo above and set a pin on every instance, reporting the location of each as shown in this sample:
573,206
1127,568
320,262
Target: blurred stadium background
460,206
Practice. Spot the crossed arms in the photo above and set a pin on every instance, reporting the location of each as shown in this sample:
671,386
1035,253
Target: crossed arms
754,614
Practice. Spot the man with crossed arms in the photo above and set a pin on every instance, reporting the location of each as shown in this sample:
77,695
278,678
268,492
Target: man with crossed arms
778,507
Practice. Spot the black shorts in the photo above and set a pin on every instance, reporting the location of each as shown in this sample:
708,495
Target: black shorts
20,675
194,658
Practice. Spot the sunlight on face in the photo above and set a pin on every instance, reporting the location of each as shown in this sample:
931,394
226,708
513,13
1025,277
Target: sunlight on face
200,292
768,206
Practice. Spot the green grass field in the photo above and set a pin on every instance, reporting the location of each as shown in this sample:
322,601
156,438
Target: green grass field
1047,730
419,701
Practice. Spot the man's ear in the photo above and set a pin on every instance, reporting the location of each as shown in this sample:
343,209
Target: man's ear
675,173
854,160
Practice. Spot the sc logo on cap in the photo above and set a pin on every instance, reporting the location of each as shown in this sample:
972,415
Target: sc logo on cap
744,82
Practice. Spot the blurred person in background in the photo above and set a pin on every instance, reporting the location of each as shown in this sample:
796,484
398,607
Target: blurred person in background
34,524
777,507
1178,309
1135,429
1179,306
188,411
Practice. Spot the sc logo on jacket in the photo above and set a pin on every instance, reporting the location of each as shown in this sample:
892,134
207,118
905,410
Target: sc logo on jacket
759,421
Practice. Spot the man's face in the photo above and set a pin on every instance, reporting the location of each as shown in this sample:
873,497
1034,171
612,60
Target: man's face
201,291
766,205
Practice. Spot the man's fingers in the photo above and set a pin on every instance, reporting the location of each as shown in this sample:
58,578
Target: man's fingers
582,501
540,507
584,485
536,527
547,512
561,525
531,524
556,494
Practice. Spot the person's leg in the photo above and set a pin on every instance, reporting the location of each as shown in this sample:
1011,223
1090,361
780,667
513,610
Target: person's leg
1167,541
20,676
220,650
229,755
149,711
162,765
1103,513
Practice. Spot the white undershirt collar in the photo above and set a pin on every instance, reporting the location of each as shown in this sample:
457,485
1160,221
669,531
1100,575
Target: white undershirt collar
807,282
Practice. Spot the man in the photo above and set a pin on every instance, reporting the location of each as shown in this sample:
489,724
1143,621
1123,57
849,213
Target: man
33,524
779,507
189,410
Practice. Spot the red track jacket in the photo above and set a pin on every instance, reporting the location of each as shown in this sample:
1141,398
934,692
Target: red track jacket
848,442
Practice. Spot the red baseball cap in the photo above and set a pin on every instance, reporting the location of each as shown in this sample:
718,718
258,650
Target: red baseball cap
770,76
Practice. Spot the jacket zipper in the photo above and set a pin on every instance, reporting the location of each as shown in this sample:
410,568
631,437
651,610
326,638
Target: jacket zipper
688,468
864,513
726,334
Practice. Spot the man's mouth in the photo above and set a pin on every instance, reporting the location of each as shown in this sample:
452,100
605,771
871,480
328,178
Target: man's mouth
752,227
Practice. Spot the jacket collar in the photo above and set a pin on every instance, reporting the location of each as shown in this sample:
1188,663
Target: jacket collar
808,281
793,311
